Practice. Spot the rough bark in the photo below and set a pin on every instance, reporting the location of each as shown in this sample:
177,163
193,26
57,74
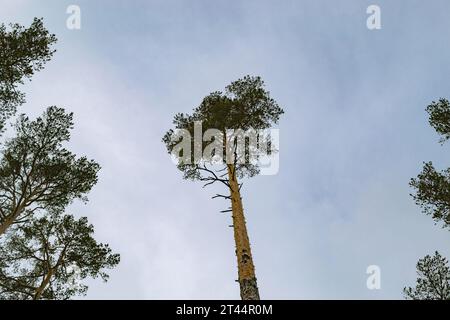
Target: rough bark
246,269
9,220
6,224
43,285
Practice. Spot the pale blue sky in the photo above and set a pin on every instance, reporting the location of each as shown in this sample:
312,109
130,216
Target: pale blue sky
353,134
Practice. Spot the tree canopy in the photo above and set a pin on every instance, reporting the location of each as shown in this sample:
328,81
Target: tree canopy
433,281
433,187
244,105
433,196
44,252
23,51
439,118
37,173
48,258
433,193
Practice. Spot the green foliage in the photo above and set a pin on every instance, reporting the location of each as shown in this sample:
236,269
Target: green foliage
439,113
433,187
23,51
433,196
433,281
245,104
433,193
44,253
57,245
37,173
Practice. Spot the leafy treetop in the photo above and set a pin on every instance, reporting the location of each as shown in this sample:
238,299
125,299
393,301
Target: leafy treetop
433,187
244,105
439,118
49,257
433,282
37,172
23,51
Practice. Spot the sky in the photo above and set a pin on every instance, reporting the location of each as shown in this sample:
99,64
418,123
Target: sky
354,133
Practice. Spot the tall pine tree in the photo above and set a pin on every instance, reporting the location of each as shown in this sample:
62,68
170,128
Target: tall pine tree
245,105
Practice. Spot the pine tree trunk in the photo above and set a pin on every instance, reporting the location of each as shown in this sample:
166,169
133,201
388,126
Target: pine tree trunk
5,225
246,269
43,285
9,220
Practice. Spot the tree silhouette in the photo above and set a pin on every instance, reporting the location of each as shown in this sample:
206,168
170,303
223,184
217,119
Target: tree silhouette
439,119
47,258
37,174
23,51
433,281
433,196
244,105
433,187
44,253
